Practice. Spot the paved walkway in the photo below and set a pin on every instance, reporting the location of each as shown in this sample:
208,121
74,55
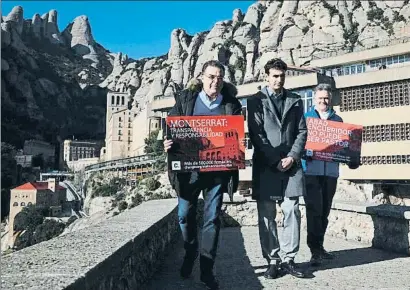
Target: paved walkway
240,265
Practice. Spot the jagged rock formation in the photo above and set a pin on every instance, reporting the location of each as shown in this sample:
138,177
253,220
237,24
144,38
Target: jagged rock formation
49,89
297,31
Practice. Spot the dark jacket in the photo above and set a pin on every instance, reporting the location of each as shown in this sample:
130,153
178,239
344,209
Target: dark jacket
273,140
184,106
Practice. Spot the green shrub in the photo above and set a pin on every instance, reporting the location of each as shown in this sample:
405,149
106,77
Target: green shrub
122,205
152,184
136,200
47,230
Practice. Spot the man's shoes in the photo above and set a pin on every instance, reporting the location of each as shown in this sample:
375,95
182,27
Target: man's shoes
290,268
187,265
272,272
316,259
326,255
210,282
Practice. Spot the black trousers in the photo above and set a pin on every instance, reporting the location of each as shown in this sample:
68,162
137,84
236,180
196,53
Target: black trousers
320,191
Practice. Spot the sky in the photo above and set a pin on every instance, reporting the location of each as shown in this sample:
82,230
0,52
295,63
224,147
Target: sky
137,28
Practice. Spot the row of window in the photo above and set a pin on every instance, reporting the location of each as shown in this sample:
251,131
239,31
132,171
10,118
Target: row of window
120,119
382,95
389,60
122,98
21,203
385,159
358,68
129,139
388,132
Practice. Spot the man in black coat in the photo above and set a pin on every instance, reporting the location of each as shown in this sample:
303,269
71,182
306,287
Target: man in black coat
209,96
277,129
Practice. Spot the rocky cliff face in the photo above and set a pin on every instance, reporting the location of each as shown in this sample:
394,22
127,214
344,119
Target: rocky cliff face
45,72
49,79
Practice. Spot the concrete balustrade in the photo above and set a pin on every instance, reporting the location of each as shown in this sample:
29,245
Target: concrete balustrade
120,253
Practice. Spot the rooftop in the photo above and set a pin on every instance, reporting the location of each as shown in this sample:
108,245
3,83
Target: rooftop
40,185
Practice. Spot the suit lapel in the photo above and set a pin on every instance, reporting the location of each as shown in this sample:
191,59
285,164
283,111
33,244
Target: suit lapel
289,102
268,103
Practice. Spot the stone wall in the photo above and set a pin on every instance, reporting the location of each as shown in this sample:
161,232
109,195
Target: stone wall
121,253
383,226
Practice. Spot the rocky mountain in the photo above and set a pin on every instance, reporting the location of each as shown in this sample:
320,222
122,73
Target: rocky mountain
50,79
48,75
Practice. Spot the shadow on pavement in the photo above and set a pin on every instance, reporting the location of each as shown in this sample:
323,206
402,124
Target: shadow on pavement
352,257
232,268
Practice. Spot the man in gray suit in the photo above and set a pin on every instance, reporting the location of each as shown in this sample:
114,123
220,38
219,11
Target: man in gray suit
277,129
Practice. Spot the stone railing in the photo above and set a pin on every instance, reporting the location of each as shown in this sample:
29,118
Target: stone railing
383,226
120,253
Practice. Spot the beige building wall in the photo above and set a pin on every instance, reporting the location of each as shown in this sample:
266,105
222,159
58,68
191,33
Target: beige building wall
18,200
397,113
140,132
119,129
80,164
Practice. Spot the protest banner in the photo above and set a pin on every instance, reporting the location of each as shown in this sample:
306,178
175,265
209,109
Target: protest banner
333,141
206,143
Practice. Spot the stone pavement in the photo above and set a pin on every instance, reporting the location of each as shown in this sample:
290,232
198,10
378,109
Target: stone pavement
240,265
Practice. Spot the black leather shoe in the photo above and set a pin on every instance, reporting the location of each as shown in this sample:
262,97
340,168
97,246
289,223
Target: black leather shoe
272,272
326,255
290,268
188,265
316,259
210,282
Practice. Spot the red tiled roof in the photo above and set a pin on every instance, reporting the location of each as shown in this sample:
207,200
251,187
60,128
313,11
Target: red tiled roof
37,185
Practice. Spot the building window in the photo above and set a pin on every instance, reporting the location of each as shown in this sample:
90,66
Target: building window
402,58
119,119
23,203
112,100
122,101
119,132
118,100
29,203
15,204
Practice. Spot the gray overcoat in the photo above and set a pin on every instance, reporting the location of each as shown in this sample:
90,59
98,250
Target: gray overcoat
274,139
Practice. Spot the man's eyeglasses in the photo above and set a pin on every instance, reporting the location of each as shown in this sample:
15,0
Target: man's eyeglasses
213,77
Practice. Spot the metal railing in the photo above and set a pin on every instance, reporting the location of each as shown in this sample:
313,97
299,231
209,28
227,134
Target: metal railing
160,97
142,159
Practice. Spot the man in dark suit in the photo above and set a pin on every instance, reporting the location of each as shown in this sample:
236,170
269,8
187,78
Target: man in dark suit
206,97
277,129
